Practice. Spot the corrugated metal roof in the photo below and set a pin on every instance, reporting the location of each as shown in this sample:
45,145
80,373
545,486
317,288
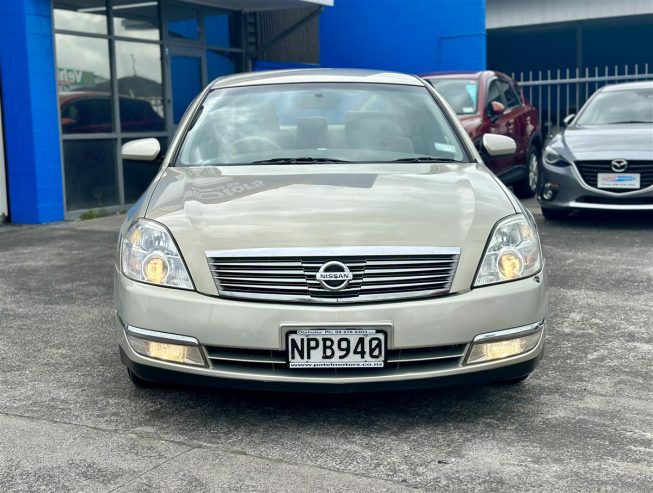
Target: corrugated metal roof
513,13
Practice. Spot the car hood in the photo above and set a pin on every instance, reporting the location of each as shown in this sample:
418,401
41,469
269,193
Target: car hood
239,207
627,141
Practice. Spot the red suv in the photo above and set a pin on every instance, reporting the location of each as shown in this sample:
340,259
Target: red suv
491,102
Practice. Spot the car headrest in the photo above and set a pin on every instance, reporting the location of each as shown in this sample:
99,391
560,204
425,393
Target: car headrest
372,125
312,132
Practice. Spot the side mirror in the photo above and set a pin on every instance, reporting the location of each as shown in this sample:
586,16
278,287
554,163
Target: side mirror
495,108
141,150
499,145
567,120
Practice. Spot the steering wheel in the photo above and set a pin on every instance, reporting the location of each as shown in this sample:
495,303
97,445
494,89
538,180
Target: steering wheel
254,143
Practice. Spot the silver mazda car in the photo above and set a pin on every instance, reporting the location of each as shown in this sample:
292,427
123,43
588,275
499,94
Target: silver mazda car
327,230
603,159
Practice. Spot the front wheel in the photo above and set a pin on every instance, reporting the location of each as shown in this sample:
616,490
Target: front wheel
527,186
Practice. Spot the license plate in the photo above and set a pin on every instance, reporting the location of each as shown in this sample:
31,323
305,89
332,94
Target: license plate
618,180
336,348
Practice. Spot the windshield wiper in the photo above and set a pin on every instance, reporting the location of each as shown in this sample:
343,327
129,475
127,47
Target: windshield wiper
300,160
423,159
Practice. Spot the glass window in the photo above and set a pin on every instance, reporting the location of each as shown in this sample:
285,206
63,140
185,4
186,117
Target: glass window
461,94
90,169
138,175
219,64
136,19
138,68
494,93
222,29
183,23
509,94
186,83
626,106
350,122
89,16
84,83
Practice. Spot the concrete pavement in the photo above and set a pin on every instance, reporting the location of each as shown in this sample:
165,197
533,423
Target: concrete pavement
70,420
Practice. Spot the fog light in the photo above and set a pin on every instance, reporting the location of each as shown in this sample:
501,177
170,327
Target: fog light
550,190
186,353
482,351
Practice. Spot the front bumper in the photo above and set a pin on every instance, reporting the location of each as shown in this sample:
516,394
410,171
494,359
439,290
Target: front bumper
572,192
447,321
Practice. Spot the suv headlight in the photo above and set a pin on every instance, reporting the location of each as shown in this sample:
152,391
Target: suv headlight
513,252
149,254
549,156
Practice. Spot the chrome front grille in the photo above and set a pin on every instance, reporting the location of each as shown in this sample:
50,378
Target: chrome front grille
290,274
275,362
589,170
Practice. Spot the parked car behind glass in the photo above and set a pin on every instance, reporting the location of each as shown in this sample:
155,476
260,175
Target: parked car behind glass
603,159
491,102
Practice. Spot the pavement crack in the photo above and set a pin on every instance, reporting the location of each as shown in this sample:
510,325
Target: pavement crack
150,470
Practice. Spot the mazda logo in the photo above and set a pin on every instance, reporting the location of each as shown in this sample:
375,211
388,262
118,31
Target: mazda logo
619,165
334,276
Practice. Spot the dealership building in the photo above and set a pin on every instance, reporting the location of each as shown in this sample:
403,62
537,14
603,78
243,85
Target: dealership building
79,78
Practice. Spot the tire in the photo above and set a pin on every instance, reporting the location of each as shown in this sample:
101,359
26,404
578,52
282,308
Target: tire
140,382
527,186
555,214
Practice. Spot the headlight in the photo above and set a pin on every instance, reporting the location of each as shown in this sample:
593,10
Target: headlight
549,156
148,254
513,252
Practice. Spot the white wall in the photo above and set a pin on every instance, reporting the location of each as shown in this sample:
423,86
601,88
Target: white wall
511,13
3,181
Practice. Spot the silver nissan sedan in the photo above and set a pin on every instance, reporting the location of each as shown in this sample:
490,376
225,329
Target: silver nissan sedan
331,231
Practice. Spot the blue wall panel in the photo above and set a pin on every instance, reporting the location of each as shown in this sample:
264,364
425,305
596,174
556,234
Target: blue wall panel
414,36
30,116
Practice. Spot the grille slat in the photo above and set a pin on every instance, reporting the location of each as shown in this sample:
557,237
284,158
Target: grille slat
589,171
375,277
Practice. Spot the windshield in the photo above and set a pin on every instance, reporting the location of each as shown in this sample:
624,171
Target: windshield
461,94
319,123
612,107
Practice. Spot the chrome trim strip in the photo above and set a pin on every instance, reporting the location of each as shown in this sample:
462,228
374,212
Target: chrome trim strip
333,251
161,336
352,299
611,207
514,333
302,289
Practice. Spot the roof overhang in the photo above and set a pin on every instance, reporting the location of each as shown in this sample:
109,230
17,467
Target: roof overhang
251,5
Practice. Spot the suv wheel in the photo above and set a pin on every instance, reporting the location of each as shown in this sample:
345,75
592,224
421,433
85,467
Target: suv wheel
526,187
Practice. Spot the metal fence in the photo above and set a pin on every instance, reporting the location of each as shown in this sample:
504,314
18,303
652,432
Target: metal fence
558,93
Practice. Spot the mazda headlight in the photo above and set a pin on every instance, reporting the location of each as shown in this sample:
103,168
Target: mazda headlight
149,254
550,156
513,252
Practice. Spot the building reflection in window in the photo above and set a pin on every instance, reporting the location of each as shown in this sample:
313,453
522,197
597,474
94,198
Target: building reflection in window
83,80
88,16
136,19
138,68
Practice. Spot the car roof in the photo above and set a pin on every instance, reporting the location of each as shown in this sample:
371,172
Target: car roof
294,76
627,86
453,75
